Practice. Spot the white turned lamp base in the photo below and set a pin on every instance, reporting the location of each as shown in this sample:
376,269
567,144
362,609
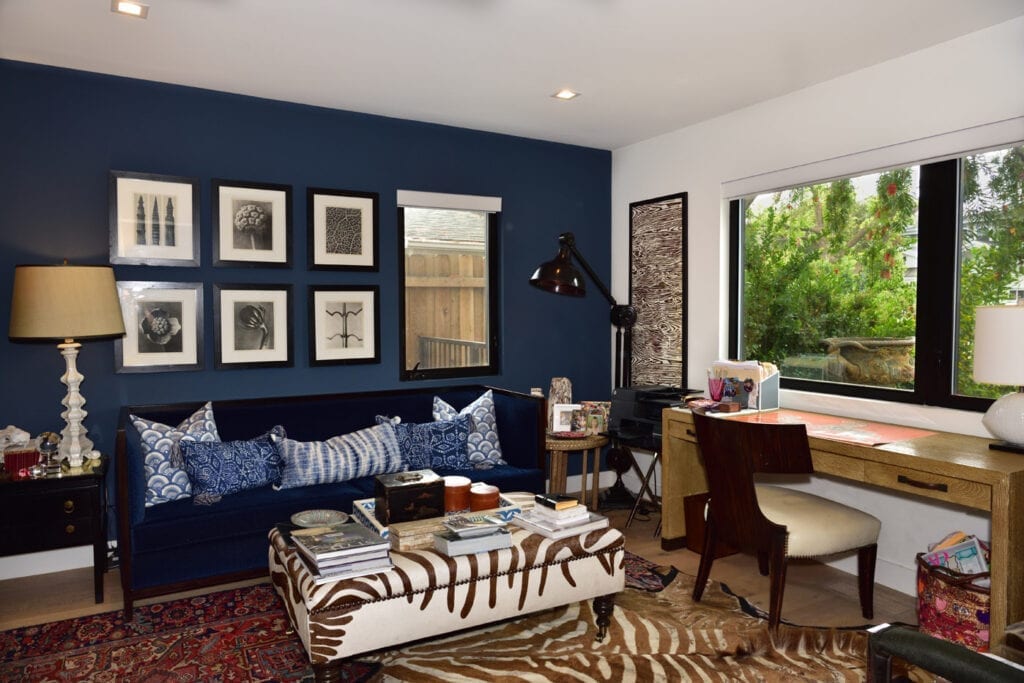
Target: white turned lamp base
74,445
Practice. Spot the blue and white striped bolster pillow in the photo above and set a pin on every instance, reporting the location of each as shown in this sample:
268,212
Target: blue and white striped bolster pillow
364,453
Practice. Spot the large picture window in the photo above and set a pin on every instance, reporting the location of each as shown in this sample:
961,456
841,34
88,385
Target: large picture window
448,277
866,285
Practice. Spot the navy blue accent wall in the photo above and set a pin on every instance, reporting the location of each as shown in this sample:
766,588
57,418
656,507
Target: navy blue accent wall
62,131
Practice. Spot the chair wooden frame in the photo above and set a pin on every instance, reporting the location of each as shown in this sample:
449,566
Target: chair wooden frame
733,452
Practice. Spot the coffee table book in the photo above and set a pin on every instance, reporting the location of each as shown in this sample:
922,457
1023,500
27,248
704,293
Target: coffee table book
450,543
555,501
322,575
530,521
323,543
566,517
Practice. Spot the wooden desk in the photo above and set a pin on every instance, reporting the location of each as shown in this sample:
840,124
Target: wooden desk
948,467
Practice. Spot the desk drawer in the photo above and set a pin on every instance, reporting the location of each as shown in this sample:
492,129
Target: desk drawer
930,485
681,429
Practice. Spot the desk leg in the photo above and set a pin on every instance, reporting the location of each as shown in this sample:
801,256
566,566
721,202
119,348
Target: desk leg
1007,605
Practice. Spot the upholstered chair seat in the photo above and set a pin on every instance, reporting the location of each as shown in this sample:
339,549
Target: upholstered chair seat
817,526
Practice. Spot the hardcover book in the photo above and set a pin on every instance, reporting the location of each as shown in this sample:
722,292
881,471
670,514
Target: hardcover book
573,515
555,501
468,526
532,522
450,543
323,543
322,575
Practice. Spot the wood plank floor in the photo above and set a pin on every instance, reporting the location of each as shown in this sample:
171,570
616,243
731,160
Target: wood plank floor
815,594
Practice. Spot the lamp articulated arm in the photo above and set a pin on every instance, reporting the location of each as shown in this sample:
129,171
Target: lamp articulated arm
623,315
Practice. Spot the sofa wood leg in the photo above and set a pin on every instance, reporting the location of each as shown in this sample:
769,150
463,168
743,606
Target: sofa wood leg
328,673
603,607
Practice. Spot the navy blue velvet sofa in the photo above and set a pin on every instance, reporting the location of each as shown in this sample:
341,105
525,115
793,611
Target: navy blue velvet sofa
179,546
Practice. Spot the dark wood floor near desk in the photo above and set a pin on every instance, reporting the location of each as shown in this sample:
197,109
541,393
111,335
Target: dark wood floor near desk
815,594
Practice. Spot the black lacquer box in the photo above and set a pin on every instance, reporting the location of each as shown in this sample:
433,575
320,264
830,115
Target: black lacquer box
408,496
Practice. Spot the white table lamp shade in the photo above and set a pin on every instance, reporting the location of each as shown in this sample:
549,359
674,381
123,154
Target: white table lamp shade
999,359
65,302
68,303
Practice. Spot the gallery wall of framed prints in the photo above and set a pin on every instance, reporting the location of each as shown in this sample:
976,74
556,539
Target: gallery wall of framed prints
155,221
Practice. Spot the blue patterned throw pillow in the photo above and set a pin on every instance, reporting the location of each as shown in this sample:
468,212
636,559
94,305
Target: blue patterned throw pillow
364,453
427,445
165,478
484,448
226,467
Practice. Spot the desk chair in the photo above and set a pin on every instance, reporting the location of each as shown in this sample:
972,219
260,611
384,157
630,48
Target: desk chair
774,522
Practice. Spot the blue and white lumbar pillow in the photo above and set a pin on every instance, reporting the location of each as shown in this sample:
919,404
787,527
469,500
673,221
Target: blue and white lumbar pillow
165,478
226,467
483,447
367,452
427,445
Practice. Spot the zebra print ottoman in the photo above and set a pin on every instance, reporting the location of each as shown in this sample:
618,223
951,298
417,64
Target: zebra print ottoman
428,593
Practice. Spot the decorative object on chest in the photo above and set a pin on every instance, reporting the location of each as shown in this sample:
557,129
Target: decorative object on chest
409,496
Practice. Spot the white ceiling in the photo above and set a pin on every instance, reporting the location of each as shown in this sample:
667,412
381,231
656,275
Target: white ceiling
644,67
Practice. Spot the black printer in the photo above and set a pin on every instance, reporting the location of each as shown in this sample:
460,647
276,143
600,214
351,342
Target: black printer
635,416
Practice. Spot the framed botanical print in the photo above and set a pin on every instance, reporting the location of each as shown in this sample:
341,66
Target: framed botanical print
344,324
342,229
252,325
154,219
252,224
163,324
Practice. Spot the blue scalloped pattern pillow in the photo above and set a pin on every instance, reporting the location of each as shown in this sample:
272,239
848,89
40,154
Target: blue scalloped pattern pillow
483,447
364,453
426,445
165,478
218,469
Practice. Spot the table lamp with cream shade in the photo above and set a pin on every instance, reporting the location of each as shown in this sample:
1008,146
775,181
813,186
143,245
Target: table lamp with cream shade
999,359
69,303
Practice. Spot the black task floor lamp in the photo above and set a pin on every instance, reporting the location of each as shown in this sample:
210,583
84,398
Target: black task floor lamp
561,277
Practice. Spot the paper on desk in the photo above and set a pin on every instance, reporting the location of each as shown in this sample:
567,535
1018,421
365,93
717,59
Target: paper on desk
745,369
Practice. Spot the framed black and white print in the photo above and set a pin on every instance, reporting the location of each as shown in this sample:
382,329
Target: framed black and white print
163,324
344,324
342,229
252,224
252,325
154,219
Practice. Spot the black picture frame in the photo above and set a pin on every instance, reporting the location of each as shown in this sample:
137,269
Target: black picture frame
342,229
340,315
163,327
265,239
154,219
252,325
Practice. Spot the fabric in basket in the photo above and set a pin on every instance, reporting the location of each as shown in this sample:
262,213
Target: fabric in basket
363,453
483,446
226,467
166,480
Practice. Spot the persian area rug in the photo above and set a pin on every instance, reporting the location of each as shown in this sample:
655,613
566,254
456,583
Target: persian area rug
243,636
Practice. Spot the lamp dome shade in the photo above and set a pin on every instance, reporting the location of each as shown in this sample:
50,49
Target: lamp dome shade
559,276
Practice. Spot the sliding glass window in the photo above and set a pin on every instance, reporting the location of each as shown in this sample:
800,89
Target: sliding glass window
866,285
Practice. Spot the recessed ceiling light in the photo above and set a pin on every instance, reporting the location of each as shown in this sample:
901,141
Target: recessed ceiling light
132,9
566,94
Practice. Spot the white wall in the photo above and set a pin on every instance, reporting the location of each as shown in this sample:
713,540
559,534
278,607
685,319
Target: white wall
971,81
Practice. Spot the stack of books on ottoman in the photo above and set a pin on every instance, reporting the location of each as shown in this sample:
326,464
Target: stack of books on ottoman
559,516
342,551
468,534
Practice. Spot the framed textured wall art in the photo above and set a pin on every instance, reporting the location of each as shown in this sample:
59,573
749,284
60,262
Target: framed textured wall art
163,324
154,219
342,229
657,285
252,224
344,324
252,325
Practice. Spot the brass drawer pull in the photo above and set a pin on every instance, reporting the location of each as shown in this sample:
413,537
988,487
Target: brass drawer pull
69,529
904,479
69,506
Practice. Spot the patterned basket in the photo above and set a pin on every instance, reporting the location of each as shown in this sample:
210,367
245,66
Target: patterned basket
951,606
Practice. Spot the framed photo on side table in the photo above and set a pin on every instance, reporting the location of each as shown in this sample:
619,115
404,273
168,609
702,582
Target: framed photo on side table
252,325
342,229
163,324
344,324
154,219
562,417
252,224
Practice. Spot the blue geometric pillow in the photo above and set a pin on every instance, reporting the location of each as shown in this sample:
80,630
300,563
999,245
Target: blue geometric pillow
165,479
484,448
440,444
219,469
367,452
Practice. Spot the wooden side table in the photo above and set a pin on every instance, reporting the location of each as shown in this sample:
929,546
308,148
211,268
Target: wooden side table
559,450
60,510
